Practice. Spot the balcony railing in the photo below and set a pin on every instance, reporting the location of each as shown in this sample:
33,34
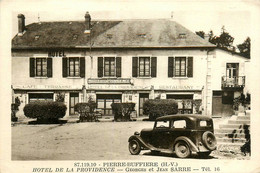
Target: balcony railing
233,82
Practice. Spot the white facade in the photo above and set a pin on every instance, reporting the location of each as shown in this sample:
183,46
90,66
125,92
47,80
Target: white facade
208,69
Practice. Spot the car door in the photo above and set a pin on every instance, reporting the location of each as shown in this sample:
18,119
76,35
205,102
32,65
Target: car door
161,134
180,128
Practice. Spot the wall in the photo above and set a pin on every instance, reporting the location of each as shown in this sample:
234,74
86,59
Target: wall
162,84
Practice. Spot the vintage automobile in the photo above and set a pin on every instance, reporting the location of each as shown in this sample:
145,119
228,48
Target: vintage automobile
184,135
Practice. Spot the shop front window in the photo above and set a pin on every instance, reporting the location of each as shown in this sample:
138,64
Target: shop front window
40,97
184,101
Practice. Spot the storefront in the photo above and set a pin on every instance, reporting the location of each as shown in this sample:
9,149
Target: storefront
104,102
185,102
69,95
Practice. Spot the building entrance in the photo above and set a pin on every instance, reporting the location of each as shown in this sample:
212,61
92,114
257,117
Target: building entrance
74,99
104,102
142,98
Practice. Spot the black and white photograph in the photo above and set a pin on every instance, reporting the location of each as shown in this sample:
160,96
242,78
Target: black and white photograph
130,86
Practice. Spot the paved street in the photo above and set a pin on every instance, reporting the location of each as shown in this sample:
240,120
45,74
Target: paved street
81,141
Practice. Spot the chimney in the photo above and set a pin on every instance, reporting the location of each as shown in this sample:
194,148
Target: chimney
21,24
87,23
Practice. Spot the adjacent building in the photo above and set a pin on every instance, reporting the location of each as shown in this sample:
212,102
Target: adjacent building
123,61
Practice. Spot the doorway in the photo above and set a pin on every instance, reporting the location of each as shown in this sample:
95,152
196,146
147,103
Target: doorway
104,102
74,99
142,98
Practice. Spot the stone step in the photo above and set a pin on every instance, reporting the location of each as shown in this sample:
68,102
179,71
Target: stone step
234,147
243,117
248,112
231,140
230,135
234,126
247,122
229,130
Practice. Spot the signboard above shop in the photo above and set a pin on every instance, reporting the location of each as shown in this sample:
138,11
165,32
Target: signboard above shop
47,87
109,81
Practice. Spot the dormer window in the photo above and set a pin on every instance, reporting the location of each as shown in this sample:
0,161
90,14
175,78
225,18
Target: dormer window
182,36
36,37
75,37
142,35
109,36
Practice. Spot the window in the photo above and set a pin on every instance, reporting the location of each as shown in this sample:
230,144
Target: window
73,66
109,66
40,97
179,124
180,66
40,67
144,66
162,124
232,70
185,102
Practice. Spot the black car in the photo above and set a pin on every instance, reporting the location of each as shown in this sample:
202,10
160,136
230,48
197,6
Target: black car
183,135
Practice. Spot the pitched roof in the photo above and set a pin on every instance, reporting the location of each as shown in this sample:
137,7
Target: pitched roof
128,33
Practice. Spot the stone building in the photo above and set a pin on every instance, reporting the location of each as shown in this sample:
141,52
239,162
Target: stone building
123,61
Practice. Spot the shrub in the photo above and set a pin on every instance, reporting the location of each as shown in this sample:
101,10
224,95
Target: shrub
14,109
45,110
122,111
157,108
197,105
86,110
60,97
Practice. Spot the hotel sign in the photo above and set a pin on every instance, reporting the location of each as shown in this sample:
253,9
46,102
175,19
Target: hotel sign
109,81
117,87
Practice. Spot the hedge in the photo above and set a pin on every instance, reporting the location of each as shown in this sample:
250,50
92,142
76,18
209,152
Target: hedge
156,108
122,111
86,111
45,110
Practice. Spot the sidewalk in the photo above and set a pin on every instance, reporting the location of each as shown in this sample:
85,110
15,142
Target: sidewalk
75,119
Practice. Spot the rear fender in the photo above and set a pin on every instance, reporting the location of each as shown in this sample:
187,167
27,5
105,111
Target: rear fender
192,146
140,140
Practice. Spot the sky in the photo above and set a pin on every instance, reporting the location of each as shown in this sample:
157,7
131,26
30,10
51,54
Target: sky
203,15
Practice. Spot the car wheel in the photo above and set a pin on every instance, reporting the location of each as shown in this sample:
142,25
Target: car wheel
204,154
182,149
134,147
209,140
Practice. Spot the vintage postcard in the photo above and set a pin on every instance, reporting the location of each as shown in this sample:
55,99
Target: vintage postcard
130,86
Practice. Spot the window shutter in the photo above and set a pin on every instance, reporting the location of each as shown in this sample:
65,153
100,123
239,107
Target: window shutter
170,66
134,66
32,67
153,65
82,66
100,66
64,67
190,67
118,66
49,67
